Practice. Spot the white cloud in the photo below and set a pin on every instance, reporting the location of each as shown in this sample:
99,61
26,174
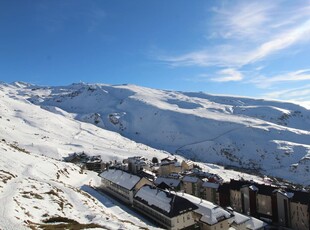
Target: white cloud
299,95
265,82
252,31
221,56
281,41
236,56
242,19
226,75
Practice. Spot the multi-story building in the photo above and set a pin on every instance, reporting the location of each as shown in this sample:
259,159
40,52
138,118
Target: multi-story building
300,209
137,163
209,215
187,165
95,163
169,167
209,192
264,201
235,195
170,183
121,185
282,204
224,195
165,208
192,185
244,222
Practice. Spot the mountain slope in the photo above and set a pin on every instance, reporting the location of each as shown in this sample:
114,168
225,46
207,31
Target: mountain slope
269,136
39,190
36,187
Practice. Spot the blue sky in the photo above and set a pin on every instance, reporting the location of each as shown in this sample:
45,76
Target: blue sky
248,48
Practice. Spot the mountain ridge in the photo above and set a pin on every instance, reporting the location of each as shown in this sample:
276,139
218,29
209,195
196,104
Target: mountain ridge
271,137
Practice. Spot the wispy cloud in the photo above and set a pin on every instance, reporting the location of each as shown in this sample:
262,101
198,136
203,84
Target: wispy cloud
299,94
244,19
227,75
248,33
265,82
281,41
238,56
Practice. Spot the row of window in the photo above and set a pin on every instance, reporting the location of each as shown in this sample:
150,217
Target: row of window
157,216
116,188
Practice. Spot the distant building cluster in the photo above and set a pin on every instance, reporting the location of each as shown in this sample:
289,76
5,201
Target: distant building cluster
93,163
179,195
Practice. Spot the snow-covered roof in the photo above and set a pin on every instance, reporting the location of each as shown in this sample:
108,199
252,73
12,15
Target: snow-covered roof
254,224
139,160
164,202
121,178
149,172
239,218
207,184
210,213
169,181
155,197
189,162
168,158
94,159
250,222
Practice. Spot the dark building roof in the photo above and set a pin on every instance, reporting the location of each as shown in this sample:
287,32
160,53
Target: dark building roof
164,186
224,188
164,202
266,190
171,182
238,184
164,163
301,197
146,174
263,189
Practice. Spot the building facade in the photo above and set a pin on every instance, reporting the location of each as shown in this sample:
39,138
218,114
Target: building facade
121,185
192,185
165,208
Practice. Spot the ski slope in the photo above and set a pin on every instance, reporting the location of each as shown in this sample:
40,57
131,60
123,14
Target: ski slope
270,137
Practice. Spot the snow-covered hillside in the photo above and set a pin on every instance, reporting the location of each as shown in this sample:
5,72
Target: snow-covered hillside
36,191
269,136
37,188
54,132
41,125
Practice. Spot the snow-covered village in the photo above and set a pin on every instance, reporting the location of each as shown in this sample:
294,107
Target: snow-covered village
155,188
149,115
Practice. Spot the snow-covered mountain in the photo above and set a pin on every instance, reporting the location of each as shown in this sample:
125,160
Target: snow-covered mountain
41,125
271,137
